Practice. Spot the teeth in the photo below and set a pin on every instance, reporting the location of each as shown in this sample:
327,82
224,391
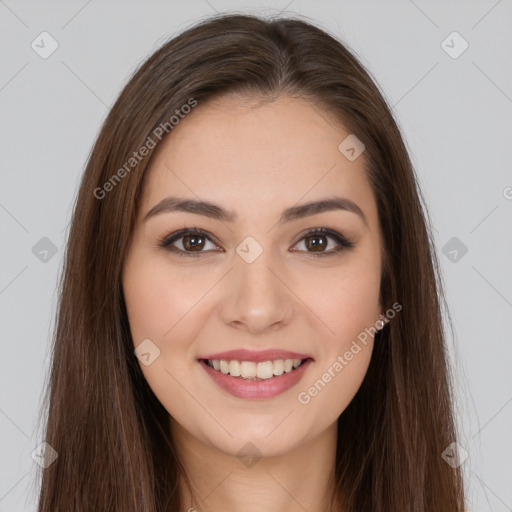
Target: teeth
278,367
247,369
265,370
254,371
234,368
224,366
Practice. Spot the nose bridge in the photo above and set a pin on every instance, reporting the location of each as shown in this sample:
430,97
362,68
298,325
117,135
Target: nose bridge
256,297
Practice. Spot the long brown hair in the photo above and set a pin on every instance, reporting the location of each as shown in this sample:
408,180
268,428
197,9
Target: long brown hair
108,428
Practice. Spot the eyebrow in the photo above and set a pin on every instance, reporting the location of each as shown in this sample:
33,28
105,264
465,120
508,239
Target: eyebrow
214,211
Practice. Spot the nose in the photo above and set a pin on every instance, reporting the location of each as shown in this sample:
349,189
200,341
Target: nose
257,298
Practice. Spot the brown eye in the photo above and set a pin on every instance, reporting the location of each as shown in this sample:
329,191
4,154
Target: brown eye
193,242
316,243
318,240
188,242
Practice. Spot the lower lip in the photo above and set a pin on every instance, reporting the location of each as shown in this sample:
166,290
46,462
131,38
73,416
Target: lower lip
256,389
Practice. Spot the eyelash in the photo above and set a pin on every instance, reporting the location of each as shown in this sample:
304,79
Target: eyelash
343,242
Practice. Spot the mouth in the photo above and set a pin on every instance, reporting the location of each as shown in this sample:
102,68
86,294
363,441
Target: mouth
255,380
252,371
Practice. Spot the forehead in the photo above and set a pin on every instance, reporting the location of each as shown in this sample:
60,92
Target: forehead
253,155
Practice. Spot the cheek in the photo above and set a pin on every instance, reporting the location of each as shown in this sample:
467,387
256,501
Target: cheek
334,384
346,302
159,298
149,309
165,306
350,311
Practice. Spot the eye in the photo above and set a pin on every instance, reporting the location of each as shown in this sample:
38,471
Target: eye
189,242
316,239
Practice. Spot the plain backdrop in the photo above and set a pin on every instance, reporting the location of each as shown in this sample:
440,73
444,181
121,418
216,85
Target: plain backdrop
453,104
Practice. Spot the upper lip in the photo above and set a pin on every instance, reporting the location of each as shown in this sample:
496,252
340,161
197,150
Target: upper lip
255,356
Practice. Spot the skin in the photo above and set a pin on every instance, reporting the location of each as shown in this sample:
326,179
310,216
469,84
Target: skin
255,159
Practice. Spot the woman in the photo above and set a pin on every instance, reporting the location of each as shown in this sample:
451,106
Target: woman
250,310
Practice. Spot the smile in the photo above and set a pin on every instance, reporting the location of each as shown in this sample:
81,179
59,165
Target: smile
256,381
255,371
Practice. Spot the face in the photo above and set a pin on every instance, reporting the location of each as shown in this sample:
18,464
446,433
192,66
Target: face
256,272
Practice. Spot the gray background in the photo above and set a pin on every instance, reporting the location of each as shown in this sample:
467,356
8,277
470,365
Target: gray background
455,114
